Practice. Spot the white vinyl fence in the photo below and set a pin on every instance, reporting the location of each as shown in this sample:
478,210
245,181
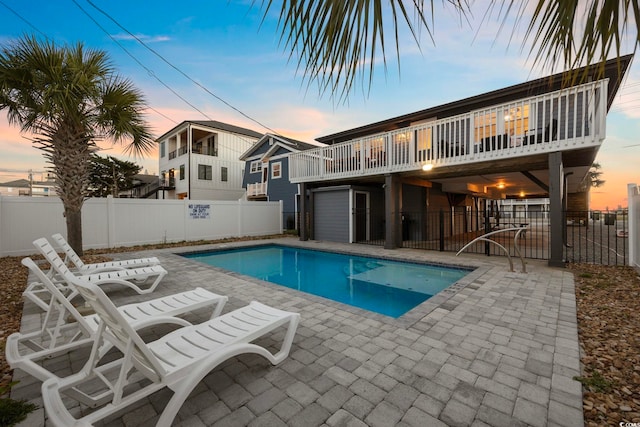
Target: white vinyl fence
633,192
110,223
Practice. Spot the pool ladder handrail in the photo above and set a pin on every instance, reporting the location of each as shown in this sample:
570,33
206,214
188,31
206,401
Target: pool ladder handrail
518,230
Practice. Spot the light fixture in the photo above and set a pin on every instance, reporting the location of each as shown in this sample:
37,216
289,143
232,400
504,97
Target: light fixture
427,167
500,186
522,194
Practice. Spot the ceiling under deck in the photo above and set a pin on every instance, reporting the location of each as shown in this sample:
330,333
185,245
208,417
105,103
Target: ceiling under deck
522,177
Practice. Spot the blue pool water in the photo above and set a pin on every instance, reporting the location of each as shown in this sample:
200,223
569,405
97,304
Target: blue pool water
387,287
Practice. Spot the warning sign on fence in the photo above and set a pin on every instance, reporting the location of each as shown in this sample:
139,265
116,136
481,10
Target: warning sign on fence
199,211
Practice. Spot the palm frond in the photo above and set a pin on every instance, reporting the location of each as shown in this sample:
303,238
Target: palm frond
569,34
121,116
338,42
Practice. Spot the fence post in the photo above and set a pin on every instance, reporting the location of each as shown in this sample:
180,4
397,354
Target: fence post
111,222
185,220
240,217
441,230
487,229
633,214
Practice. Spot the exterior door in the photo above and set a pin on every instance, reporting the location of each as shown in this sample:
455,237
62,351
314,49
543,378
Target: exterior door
361,216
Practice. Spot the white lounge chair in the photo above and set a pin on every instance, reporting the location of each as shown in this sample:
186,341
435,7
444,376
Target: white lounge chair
58,334
72,257
178,360
124,277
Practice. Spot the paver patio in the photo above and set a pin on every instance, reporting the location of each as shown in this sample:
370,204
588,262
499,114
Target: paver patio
499,348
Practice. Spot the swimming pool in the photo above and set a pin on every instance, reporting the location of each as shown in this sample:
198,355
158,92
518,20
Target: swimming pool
387,287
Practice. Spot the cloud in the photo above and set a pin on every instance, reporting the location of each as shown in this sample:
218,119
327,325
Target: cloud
19,155
145,38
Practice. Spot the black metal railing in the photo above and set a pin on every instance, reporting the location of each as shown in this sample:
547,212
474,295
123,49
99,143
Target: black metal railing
592,237
598,237
150,189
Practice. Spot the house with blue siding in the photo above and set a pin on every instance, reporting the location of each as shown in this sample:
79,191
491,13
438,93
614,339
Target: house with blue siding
266,173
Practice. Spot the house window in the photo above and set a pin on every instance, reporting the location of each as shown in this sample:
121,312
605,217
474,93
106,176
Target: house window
423,144
516,120
224,174
276,170
511,121
182,172
256,166
486,125
204,172
163,148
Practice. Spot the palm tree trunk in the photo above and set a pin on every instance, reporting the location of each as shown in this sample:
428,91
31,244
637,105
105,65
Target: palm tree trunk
74,229
70,156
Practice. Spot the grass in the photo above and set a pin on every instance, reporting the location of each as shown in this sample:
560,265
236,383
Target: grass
596,382
13,411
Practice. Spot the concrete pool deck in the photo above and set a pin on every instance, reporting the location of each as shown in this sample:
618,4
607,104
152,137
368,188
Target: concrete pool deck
498,348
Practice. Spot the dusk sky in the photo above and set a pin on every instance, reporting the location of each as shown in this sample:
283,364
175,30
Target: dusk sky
227,48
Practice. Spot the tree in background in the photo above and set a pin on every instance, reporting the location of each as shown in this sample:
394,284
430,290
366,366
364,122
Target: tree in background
593,176
69,98
110,176
338,42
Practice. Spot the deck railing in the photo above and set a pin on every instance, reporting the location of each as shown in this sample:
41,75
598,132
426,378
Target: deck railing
257,189
563,120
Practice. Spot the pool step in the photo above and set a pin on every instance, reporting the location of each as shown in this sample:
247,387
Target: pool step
405,277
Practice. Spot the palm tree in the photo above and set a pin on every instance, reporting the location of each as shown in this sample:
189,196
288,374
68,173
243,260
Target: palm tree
69,98
338,41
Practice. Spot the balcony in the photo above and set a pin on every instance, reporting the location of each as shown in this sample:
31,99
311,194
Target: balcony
205,151
197,149
167,183
567,119
257,190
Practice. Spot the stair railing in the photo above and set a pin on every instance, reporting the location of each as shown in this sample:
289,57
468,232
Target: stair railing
518,230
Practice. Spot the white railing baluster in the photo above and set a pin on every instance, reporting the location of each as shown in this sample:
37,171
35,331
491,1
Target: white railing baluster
583,115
